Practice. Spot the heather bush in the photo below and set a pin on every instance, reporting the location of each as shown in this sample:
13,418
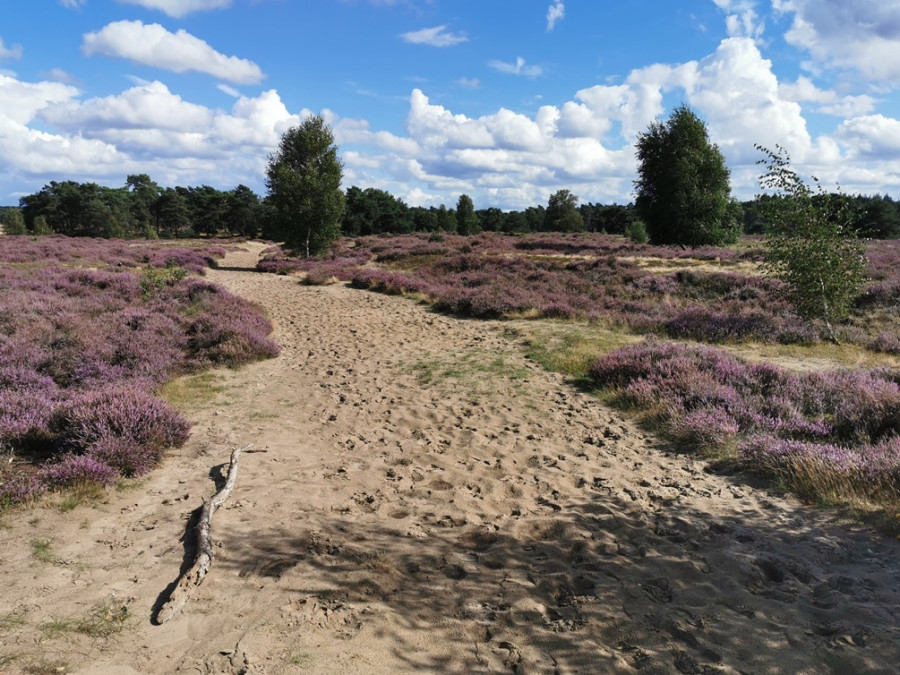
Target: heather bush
89,329
128,457
19,488
829,431
120,413
75,470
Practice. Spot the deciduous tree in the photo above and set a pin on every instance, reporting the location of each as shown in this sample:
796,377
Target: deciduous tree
683,190
562,213
466,221
811,245
304,182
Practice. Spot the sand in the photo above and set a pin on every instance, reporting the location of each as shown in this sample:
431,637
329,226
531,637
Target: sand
422,498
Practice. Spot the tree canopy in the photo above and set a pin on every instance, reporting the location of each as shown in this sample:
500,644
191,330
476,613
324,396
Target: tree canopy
562,213
466,220
304,182
683,189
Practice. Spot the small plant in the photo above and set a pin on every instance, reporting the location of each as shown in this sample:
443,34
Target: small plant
105,619
12,620
41,550
636,232
155,279
77,470
811,245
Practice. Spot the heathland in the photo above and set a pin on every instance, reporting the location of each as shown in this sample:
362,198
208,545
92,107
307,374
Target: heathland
538,453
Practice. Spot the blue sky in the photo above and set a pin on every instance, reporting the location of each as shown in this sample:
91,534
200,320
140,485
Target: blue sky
504,100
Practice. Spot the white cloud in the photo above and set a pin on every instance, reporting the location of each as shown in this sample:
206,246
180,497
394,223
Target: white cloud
555,13
14,52
517,68
179,8
60,75
151,106
146,129
871,137
24,99
741,18
469,83
434,37
153,45
738,92
862,35
231,91
829,102
73,4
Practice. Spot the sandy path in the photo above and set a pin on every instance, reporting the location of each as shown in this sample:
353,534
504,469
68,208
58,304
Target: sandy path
426,500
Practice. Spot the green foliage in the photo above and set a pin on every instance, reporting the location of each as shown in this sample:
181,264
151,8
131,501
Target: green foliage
304,182
683,184
879,217
562,213
243,212
155,279
811,245
41,227
373,211
466,221
446,219
14,222
636,231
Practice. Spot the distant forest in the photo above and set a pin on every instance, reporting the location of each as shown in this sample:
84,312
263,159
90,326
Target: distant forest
141,208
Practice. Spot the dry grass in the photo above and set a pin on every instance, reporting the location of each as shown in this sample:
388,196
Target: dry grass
570,347
666,265
806,358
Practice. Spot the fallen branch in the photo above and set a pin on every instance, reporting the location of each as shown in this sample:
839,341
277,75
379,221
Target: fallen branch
194,576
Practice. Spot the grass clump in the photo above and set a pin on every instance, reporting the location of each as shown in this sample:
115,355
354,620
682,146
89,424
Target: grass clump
42,551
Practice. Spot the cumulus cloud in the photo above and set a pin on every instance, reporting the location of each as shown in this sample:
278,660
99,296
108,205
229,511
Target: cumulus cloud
871,137
438,36
555,13
151,106
153,45
741,19
827,100
516,68
179,8
860,34
24,99
14,52
145,129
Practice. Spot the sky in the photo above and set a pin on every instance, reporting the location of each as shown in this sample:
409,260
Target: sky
507,101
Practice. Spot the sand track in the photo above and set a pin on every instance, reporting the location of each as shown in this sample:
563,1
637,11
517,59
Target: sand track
424,499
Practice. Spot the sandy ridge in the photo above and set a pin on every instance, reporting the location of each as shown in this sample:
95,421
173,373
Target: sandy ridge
427,500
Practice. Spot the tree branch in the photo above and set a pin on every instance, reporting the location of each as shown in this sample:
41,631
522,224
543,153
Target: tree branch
194,576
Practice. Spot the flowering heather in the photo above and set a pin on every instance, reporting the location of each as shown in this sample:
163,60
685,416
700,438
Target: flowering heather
93,252
75,470
844,424
585,276
120,413
19,488
341,258
125,455
87,334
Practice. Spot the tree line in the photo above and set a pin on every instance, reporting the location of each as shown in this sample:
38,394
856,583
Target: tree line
683,197
141,208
